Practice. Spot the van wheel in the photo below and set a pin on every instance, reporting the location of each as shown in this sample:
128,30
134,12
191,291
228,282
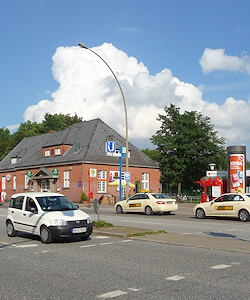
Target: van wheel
10,228
45,235
244,215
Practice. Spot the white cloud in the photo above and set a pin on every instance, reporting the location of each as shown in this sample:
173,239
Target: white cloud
216,59
12,128
87,87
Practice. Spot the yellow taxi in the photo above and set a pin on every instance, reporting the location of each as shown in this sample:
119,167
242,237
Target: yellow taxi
147,203
227,205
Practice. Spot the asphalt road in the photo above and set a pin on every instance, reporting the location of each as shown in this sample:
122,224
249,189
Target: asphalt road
182,222
112,268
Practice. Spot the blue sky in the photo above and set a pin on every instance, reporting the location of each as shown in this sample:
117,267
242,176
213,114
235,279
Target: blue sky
145,36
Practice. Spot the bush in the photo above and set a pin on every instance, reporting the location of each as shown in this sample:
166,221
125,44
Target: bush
84,197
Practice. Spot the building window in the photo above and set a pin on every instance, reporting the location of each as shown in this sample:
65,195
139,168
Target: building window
66,179
145,181
47,153
3,183
26,183
14,182
102,183
102,174
102,187
57,151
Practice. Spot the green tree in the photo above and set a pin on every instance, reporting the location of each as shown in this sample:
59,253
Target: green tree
5,142
187,143
51,122
25,129
58,122
152,153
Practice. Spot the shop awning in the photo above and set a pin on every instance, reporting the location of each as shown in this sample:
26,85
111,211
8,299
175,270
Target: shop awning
211,181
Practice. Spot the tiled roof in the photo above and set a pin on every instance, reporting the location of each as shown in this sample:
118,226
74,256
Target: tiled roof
87,140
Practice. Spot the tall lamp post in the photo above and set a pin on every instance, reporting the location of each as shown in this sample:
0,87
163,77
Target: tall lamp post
81,45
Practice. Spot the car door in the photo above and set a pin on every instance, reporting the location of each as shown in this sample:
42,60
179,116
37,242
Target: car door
134,203
15,212
30,216
237,203
221,206
143,202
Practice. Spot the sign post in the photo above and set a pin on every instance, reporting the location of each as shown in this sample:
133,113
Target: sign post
122,154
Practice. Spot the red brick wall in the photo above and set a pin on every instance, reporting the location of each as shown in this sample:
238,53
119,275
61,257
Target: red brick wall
76,180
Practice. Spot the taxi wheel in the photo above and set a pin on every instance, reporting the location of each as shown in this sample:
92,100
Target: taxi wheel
244,215
148,211
45,235
10,229
119,209
200,214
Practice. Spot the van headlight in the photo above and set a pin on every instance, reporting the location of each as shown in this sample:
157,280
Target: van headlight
60,222
88,220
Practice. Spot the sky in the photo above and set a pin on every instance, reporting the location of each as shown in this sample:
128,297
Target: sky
191,53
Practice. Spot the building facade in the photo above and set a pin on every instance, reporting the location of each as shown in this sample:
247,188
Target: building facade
74,161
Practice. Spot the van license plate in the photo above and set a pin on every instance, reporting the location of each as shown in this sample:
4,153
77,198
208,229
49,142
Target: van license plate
79,230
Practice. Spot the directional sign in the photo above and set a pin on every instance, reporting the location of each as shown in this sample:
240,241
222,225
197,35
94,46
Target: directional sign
110,147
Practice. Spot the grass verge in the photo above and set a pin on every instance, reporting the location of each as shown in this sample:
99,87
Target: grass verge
146,233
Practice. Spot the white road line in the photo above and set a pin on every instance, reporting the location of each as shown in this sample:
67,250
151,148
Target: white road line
125,241
221,267
25,246
103,244
100,237
134,290
111,294
186,233
87,246
175,278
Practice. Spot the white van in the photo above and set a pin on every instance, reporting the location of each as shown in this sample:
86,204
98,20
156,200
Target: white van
48,215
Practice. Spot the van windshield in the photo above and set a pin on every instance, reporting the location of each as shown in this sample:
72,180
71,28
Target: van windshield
55,203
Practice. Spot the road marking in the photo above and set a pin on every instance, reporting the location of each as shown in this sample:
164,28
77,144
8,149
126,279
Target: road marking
186,233
25,246
103,244
87,246
111,294
125,241
45,251
134,290
220,267
101,237
175,278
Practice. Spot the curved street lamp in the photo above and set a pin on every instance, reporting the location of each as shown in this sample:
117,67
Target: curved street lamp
81,45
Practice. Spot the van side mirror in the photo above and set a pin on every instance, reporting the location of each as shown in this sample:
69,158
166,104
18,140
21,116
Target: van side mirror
33,210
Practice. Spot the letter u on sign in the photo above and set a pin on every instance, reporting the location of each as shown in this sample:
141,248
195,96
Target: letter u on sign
110,147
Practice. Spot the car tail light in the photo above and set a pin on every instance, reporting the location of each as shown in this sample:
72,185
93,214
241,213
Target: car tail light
160,202
175,202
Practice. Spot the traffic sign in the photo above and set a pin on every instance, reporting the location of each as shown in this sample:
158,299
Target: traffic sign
127,176
110,147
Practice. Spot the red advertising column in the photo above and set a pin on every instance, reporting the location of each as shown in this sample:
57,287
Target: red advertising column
236,158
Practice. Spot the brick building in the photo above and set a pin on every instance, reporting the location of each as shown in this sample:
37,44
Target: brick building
73,161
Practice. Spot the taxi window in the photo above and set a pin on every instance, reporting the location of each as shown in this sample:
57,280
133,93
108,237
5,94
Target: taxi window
135,197
238,198
144,196
17,202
